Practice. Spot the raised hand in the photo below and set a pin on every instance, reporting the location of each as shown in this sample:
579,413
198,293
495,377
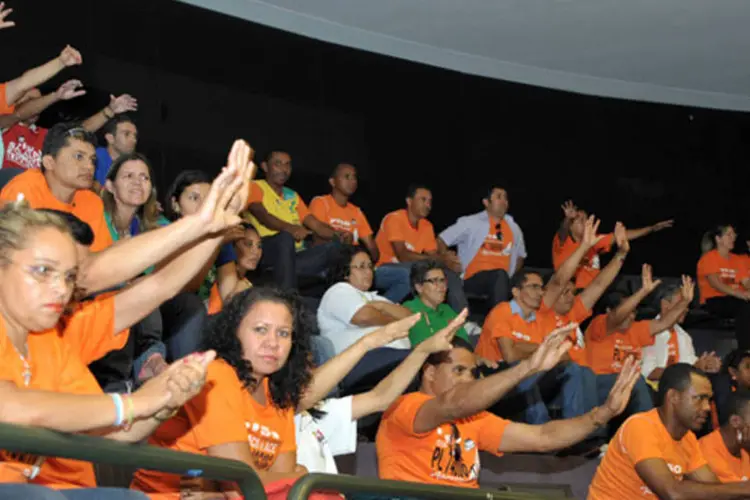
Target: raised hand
122,104
621,238
4,13
392,331
590,236
70,90
185,377
687,290
552,349
241,158
70,56
569,210
647,279
665,224
441,341
620,394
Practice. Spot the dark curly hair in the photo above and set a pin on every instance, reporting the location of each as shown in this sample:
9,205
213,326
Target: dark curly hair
289,383
343,265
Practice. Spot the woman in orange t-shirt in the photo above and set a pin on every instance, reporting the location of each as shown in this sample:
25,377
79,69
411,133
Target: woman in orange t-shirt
246,411
42,382
724,281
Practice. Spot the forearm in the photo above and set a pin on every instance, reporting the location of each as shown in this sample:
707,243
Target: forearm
626,307
722,287
592,293
394,384
270,221
327,376
99,119
409,256
7,121
32,78
570,266
519,351
634,234
369,315
395,311
559,434
321,230
694,490
667,321
35,107
128,258
140,430
562,232
470,398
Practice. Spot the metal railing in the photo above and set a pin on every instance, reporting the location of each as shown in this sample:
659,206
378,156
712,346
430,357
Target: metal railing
308,483
43,442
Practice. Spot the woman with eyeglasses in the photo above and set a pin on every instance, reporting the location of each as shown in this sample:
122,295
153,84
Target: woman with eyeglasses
43,383
349,310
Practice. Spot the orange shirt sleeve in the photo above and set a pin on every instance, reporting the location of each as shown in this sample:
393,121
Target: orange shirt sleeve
256,194
491,431
709,264
640,332
579,312
394,227
597,329
365,229
404,411
76,377
635,442
318,209
89,331
605,244
5,108
302,210
428,239
216,414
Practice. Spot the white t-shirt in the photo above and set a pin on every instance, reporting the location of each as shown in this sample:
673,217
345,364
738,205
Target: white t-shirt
656,355
318,441
337,308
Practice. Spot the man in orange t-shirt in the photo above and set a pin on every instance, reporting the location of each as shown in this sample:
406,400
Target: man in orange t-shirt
406,236
656,454
726,448
434,435
344,217
490,247
65,180
616,335
569,236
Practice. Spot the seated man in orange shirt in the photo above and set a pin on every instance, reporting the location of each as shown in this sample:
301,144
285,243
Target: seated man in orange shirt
616,335
344,217
512,332
726,449
434,435
406,236
569,236
656,454
284,222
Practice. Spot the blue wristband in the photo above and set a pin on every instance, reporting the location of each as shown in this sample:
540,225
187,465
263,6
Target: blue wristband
119,408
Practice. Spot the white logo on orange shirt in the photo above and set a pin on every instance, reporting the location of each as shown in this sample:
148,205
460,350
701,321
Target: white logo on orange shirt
521,336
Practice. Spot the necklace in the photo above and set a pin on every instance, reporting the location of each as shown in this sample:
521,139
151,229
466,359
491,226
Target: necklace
26,373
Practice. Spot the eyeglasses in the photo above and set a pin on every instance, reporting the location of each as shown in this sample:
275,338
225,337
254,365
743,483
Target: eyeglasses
499,231
46,275
435,281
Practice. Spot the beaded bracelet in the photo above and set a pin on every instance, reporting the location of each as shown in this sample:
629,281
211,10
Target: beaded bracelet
131,413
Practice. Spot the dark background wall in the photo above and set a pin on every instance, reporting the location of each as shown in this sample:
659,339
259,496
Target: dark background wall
203,79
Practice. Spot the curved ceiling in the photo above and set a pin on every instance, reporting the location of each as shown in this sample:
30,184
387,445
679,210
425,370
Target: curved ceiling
685,52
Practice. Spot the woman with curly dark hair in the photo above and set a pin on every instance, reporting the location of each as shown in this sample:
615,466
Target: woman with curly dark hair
246,410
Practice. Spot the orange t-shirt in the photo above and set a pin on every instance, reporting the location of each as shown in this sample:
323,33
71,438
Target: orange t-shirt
503,322
727,467
224,412
56,368
494,252
642,437
5,108
89,330
606,353
548,320
349,218
396,227
590,265
438,456
86,205
731,271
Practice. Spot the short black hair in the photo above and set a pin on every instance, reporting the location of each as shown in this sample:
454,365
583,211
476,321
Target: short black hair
111,126
677,377
411,191
339,166
420,269
183,180
82,232
343,266
438,358
735,357
521,276
667,291
738,401
488,192
58,136
270,153
248,226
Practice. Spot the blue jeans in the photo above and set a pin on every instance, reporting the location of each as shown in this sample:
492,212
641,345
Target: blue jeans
394,280
183,317
640,398
36,492
562,385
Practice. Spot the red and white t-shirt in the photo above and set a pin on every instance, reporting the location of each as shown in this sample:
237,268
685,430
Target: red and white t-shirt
23,146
